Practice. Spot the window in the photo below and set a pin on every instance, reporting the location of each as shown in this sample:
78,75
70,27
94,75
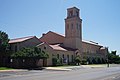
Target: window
70,13
68,58
67,26
63,56
72,26
11,60
15,48
77,26
80,25
53,55
58,56
44,47
72,58
77,13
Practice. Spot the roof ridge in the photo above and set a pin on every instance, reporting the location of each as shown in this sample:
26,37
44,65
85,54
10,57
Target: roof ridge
57,33
23,37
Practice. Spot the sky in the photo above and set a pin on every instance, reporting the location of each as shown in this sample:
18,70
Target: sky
100,19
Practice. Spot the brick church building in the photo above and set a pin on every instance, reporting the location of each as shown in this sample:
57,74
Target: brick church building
67,47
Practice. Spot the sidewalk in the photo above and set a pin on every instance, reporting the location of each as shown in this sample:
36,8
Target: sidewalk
64,68
13,70
57,69
69,68
95,66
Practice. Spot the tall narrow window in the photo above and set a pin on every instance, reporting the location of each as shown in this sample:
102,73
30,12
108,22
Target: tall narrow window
72,26
70,13
77,13
72,58
67,26
68,58
58,56
77,26
63,56
15,48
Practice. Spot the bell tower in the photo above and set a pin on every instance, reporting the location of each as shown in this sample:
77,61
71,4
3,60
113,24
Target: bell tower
73,29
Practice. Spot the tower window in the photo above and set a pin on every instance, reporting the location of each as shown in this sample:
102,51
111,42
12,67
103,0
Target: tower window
77,26
77,13
67,26
80,26
72,26
70,13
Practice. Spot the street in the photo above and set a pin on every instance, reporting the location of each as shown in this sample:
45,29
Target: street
112,73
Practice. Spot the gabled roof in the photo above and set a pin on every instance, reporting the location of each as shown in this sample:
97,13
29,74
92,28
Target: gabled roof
56,33
52,37
58,47
61,48
53,33
17,40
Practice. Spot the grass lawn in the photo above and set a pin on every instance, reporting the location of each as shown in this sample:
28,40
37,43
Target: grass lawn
5,68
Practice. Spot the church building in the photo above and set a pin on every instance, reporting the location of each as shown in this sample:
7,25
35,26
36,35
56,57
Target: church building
66,48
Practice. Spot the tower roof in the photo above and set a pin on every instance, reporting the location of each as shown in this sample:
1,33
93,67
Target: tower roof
73,8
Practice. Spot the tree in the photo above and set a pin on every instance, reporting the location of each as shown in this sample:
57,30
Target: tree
113,52
77,59
29,56
3,42
4,51
30,53
84,61
113,58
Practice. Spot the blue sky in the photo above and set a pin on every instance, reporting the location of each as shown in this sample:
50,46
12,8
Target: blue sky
101,19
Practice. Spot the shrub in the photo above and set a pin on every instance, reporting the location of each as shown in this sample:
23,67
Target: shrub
77,60
84,61
56,62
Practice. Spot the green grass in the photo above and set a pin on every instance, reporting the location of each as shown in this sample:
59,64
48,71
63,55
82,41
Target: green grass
5,68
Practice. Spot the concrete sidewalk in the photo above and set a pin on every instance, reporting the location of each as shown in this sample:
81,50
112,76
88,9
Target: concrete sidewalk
68,68
57,69
13,70
64,68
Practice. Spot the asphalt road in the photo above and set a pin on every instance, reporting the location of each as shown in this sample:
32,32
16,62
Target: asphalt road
112,73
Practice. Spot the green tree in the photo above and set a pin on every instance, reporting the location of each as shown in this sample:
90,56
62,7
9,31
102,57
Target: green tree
30,53
113,52
4,49
3,42
29,56
77,60
84,61
113,58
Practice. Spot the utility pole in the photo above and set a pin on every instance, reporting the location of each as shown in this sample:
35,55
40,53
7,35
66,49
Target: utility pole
108,60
